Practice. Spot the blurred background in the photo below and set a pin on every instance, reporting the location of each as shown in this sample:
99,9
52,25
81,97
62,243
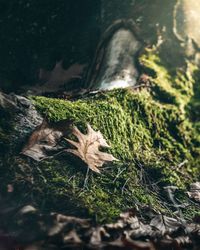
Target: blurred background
37,34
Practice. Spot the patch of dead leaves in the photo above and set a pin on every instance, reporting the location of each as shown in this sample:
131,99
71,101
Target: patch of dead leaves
44,143
35,230
87,148
164,223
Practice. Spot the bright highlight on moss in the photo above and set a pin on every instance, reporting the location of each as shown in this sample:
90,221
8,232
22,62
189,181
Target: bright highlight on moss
147,133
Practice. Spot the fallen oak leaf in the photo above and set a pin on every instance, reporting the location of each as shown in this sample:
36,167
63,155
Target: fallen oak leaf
44,141
87,148
56,79
71,219
59,75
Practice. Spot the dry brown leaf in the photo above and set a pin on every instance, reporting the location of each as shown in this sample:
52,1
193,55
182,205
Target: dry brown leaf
57,79
44,140
60,218
98,234
124,242
195,191
87,148
59,75
72,237
165,224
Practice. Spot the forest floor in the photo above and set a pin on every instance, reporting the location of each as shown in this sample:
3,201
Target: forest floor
153,131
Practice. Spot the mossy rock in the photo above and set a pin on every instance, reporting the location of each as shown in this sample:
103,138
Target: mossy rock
152,133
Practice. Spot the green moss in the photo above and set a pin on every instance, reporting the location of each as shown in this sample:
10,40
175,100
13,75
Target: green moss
153,134
143,133
171,85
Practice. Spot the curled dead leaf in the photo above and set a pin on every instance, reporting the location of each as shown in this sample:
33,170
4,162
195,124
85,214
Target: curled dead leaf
44,141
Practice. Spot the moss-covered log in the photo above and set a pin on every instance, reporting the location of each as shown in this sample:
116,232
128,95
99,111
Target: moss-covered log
155,133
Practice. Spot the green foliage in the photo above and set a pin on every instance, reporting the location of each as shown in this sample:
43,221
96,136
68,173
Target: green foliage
174,86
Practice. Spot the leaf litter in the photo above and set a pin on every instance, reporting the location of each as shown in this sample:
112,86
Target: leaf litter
28,228
31,229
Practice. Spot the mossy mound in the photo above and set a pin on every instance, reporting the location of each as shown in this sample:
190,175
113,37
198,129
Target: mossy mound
152,134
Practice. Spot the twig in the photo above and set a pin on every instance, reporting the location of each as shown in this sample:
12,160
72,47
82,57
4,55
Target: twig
170,191
86,178
180,165
119,174
71,178
125,185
